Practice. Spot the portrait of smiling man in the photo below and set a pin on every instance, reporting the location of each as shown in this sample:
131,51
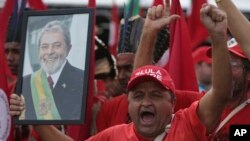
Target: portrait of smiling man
53,92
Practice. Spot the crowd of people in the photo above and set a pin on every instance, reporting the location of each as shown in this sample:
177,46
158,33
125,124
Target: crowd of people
141,101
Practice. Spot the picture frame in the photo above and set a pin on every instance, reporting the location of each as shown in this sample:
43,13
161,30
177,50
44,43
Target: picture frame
54,65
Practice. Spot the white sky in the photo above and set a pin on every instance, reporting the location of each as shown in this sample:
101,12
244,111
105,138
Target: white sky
242,4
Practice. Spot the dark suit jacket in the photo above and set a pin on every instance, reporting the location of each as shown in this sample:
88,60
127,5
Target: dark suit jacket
67,93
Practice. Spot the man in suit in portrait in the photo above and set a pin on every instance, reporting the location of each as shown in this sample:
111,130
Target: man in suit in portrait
54,92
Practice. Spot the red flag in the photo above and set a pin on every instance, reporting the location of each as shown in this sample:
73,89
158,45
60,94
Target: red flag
180,65
92,4
4,18
157,2
114,30
197,31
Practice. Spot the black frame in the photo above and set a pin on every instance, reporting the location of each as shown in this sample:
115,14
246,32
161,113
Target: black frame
58,14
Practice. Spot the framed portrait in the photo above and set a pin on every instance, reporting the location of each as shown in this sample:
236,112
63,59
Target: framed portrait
54,65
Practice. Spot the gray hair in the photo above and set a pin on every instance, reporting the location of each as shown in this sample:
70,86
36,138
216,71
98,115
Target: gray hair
57,26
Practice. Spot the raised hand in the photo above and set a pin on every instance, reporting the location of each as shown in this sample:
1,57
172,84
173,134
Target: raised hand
158,17
214,19
16,105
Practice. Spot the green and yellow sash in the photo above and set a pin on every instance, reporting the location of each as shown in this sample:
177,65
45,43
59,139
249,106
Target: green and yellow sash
42,96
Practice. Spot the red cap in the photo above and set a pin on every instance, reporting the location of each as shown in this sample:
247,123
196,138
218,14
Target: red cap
200,55
234,48
152,73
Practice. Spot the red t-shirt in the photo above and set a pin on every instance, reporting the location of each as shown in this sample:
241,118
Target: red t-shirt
185,126
122,132
112,112
242,117
185,98
115,111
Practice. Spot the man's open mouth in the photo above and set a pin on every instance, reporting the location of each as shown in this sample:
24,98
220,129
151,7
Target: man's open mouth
147,117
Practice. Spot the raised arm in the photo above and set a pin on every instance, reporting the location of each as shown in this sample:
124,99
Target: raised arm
156,19
214,101
238,24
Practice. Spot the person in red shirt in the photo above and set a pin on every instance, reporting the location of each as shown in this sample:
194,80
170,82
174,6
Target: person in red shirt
203,68
189,124
111,109
239,104
238,24
238,108
115,111
151,91
12,51
237,111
